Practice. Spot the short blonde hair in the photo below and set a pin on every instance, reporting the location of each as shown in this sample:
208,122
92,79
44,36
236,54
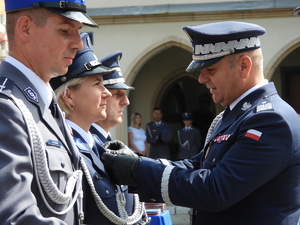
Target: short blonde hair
74,84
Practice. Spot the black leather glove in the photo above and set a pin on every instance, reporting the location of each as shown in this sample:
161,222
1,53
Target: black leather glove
118,148
121,168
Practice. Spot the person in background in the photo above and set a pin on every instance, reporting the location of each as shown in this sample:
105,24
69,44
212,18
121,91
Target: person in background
253,154
136,135
40,169
189,138
116,85
159,136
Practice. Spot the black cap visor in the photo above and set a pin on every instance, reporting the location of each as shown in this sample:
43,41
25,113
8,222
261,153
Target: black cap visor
119,86
75,15
58,81
199,64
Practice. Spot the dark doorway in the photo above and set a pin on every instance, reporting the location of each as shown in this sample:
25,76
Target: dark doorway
290,80
187,95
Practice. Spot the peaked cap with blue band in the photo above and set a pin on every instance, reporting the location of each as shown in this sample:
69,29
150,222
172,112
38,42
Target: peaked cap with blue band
116,79
84,64
187,116
211,42
72,9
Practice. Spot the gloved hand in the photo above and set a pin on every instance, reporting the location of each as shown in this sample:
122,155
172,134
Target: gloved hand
121,168
118,148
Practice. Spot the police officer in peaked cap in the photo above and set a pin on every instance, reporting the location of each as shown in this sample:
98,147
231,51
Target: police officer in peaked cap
72,9
42,175
83,97
189,138
115,83
116,79
253,154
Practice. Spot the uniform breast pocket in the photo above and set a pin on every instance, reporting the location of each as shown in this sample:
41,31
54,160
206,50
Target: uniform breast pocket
216,153
105,189
59,161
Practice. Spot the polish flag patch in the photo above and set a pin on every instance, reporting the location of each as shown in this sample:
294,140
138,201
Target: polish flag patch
254,134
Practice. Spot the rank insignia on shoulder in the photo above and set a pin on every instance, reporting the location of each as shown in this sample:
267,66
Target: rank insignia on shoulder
6,86
220,139
54,143
31,95
264,106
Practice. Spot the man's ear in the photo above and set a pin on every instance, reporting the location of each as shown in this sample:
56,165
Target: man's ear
23,28
245,65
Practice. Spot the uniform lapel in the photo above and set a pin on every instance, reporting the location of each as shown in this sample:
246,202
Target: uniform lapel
30,94
89,151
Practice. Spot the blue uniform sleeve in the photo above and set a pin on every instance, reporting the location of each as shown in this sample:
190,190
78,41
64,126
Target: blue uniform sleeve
233,170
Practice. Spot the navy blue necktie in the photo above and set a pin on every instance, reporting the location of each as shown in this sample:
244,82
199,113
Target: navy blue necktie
108,138
57,115
227,110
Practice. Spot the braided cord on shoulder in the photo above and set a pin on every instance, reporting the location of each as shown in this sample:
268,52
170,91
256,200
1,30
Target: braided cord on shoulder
42,169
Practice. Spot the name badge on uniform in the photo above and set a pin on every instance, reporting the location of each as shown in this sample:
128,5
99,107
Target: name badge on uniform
54,143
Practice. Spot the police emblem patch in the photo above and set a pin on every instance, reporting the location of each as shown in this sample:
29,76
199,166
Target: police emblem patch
81,145
30,93
97,139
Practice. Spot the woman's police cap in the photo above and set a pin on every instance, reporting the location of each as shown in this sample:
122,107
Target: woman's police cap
187,116
114,80
84,64
211,42
72,9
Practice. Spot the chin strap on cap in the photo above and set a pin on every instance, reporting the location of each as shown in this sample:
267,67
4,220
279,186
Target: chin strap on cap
65,5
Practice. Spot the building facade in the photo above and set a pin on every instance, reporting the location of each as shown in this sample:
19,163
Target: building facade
156,51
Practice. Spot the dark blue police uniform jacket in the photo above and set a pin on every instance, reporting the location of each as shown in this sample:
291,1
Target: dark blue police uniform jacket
251,175
129,206
157,149
105,188
192,138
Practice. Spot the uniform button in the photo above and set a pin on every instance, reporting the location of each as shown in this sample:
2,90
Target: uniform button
265,97
107,192
153,200
195,212
214,159
62,165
